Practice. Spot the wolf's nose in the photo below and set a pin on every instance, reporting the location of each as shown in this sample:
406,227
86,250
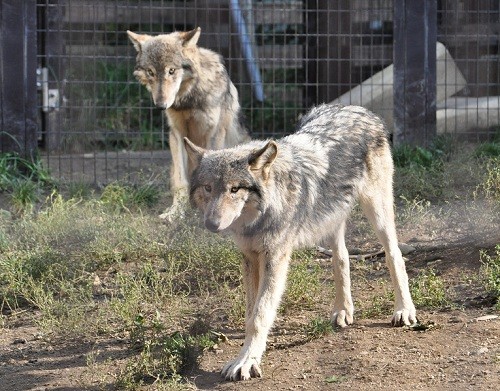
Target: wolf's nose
212,225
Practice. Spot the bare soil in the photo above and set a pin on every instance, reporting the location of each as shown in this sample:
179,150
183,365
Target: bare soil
457,351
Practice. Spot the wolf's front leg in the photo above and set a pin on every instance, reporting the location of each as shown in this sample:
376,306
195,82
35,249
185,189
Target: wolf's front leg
268,275
178,177
404,309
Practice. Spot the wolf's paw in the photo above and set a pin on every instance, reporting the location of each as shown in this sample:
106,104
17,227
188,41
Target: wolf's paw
342,318
404,317
242,368
175,212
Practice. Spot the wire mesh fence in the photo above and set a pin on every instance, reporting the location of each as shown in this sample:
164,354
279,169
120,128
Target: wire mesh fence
98,124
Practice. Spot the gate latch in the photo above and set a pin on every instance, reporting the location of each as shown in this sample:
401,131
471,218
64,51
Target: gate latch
50,96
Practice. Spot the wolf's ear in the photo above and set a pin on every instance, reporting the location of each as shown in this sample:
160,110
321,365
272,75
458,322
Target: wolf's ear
262,159
190,38
137,39
194,152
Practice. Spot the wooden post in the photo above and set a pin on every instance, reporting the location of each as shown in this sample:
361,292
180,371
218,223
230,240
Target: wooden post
18,94
415,71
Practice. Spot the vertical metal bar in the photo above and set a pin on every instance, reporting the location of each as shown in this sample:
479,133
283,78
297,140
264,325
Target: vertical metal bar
415,71
52,52
18,94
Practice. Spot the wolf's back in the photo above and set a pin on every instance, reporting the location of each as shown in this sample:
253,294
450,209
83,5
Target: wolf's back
326,162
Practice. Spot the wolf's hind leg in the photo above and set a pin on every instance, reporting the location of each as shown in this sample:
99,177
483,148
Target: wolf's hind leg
378,207
343,308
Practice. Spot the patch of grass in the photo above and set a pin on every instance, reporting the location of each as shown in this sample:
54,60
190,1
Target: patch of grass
161,357
413,156
303,284
334,379
318,328
79,190
428,290
380,305
13,168
51,261
490,268
23,180
24,194
420,172
121,197
488,150
235,296
413,210
490,185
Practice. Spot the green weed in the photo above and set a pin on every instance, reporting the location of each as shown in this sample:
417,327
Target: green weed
14,168
428,290
24,194
303,284
120,197
161,357
79,190
491,270
488,150
318,328
380,305
490,185
23,180
420,172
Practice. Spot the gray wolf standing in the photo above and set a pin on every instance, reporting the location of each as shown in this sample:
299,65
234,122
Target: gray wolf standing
275,196
201,102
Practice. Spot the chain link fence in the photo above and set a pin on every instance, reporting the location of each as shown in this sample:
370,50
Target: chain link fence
97,124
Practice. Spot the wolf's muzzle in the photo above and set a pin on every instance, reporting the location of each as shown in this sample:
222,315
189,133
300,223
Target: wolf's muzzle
212,225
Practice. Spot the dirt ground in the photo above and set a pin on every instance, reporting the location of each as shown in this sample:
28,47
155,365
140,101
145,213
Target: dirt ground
460,349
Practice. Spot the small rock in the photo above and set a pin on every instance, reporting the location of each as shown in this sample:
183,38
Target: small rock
38,336
456,319
19,341
482,350
486,317
434,262
406,248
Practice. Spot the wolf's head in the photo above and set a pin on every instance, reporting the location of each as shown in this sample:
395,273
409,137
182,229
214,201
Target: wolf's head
227,185
164,63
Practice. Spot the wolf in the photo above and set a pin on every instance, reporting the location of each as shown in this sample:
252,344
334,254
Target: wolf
276,196
200,101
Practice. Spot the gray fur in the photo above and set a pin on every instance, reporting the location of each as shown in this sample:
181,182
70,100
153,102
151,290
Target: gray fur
276,196
200,101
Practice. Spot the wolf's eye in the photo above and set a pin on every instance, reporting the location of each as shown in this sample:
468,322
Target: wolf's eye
150,73
208,188
234,189
171,71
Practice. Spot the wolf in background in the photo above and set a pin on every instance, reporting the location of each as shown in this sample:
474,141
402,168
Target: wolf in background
201,103
276,196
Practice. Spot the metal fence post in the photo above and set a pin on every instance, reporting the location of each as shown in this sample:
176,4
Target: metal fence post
415,33
18,94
